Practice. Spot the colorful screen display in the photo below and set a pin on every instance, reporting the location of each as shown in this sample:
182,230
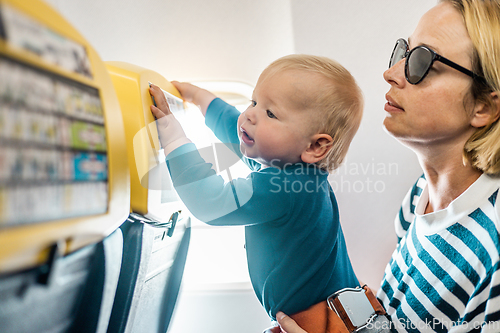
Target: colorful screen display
53,150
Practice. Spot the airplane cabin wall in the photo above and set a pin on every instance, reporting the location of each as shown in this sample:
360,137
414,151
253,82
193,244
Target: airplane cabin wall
188,39
236,40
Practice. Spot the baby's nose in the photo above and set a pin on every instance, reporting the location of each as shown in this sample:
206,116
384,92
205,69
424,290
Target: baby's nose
251,115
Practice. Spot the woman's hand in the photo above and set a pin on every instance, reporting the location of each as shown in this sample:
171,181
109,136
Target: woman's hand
286,325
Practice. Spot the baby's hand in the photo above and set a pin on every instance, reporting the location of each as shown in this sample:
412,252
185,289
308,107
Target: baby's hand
196,95
161,107
187,90
170,130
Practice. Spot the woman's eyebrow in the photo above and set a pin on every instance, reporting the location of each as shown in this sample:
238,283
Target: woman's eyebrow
423,44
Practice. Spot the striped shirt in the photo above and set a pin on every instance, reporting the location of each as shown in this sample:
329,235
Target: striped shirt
444,274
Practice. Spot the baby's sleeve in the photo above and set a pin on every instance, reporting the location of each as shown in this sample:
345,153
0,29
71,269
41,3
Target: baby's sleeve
222,119
242,201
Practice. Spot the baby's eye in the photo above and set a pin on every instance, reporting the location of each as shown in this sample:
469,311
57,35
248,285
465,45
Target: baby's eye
253,103
270,114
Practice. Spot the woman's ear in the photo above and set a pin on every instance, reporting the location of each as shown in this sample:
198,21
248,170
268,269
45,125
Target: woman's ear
318,148
486,113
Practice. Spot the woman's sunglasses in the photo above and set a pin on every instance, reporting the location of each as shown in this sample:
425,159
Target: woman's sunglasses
419,61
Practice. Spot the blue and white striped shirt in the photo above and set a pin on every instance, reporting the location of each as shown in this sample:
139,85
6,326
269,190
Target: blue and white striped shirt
444,274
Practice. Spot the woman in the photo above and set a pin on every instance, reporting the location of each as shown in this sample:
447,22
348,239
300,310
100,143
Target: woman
444,104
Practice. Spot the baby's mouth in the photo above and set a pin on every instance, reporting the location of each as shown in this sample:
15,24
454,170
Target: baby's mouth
245,137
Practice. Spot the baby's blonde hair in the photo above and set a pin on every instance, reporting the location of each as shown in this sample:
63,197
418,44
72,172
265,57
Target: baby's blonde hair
482,21
339,101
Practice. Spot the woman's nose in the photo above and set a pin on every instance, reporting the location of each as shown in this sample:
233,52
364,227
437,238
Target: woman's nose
395,75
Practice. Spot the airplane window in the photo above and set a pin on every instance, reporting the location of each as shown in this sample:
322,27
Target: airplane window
217,257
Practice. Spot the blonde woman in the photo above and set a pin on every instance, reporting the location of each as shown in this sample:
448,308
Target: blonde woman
443,103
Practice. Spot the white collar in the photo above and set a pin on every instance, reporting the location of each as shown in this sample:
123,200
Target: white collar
462,206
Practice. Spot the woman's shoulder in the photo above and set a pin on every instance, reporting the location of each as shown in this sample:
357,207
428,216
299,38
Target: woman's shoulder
485,193
493,196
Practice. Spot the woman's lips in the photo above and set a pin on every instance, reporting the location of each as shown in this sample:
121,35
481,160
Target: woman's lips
391,105
391,108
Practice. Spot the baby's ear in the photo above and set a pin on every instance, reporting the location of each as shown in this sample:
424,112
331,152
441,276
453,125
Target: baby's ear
320,145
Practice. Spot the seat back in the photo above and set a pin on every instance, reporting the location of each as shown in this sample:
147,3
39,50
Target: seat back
150,279
69,294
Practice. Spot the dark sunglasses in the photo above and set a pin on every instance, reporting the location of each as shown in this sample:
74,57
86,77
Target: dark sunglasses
419,61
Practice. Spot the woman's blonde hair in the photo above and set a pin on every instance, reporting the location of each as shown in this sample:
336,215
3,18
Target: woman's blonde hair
338,99
482,21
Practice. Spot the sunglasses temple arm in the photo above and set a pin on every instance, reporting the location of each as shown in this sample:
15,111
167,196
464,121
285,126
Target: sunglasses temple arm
456,66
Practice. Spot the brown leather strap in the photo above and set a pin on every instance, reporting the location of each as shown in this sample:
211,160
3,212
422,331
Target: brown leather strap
379,309
319,318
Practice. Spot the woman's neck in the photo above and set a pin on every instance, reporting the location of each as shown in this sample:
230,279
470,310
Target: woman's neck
447,178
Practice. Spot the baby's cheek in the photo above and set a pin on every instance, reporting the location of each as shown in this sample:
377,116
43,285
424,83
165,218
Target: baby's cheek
241,119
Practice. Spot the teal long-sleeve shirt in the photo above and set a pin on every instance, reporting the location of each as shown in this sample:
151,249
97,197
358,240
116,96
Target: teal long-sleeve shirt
295,247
